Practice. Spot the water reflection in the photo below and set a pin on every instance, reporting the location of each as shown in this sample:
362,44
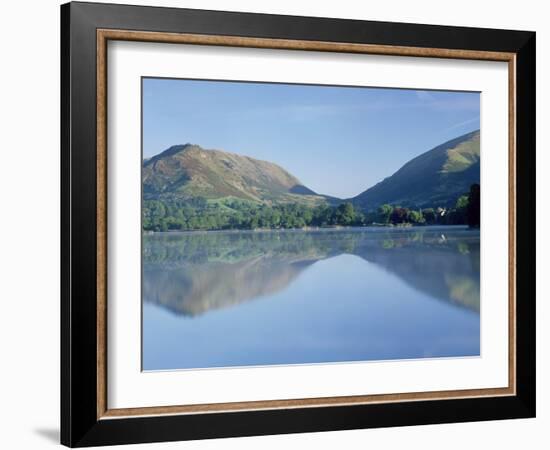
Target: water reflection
193,273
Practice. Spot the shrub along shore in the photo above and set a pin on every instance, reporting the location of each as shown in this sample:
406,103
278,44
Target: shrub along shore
236,214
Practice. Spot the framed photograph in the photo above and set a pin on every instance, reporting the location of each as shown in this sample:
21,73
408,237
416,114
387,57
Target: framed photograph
277,224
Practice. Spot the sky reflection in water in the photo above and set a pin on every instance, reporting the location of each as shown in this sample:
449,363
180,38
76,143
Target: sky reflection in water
222,299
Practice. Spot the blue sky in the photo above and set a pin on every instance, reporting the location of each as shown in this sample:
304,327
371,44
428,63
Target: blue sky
337,140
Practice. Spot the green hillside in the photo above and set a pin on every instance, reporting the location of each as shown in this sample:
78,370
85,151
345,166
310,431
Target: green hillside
189,188
435,178
185,172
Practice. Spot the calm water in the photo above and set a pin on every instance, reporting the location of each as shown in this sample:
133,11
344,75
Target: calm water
222,299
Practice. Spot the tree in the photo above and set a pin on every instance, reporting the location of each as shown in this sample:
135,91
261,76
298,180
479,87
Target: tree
307,215
429,216
462,202
254,222
473,210
399,215
457,215
384,213
345,214
360,219
416,217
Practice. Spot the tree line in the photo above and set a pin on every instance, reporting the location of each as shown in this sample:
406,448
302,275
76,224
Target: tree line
465,212
176,215
199,214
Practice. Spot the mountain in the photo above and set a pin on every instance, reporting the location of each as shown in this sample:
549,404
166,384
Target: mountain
435,178
189,171
184,172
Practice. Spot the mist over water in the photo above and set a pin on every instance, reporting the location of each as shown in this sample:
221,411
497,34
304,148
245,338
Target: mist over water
224,299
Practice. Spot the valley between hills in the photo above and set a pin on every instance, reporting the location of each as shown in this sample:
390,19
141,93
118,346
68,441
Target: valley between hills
187,187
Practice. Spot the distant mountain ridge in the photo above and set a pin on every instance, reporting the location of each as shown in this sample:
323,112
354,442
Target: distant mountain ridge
185,172
189,171
434,178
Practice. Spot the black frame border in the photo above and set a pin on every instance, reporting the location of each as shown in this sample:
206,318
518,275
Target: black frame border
79,423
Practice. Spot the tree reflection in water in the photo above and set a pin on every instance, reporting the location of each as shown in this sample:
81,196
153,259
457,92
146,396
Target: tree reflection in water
193,273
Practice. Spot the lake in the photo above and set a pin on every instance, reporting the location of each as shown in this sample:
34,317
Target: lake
252,298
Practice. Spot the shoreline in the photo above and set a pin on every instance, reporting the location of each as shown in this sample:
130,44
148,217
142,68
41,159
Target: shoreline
317,229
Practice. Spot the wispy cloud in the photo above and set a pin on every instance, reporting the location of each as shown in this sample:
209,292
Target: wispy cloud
447,101
432,100
311,110
425,96
462,124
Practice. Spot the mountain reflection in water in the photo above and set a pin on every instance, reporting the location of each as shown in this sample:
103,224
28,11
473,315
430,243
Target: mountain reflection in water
193,273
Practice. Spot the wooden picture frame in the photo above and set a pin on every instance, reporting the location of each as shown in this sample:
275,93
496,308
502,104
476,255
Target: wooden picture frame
86,418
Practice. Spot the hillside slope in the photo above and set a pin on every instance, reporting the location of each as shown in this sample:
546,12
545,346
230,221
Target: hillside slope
435,178
189,171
